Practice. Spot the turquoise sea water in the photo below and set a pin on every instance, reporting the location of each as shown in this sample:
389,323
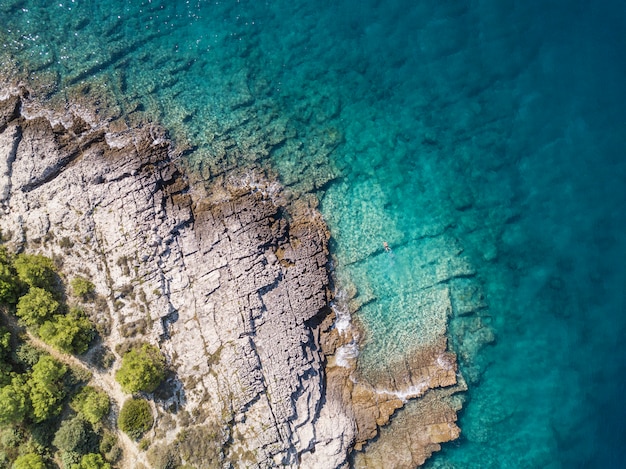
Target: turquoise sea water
485,137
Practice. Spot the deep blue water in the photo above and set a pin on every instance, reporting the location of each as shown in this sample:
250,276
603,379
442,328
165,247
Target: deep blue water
488,132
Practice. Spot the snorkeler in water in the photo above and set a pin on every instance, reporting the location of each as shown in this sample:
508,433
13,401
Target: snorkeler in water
386,246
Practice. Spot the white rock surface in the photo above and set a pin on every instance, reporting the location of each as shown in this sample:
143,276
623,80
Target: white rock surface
231,287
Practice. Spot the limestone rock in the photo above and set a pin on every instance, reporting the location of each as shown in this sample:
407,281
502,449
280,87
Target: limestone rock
227,281
230,279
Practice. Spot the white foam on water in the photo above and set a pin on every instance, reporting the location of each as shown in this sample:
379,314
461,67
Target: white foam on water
343,318
411,392
345,353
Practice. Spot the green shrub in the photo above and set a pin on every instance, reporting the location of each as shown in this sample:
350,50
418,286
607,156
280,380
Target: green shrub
83,288
29,461
66,243
9,286
92,461
92,404
46,388
28,355
109,447
142,369
135,418
69,459
5,361
11,437
75,436
144,444
103,358
72,332
36,271
37,306
14,401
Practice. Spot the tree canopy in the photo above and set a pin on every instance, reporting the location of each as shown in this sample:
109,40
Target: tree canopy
135,418
143,369
72,332
36,306
5,362
14,401
92,404
75,436
9,286
29,461
35,270
46,388
92,461
8,278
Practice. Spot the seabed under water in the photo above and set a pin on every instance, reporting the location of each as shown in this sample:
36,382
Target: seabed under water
479,137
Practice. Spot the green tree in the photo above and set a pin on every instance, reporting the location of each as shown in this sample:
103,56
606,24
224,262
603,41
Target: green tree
82,288
28,355
46,388
142,369
5,257
14,401
92,404
9,286
75,436
135,418
92,461
36,270
36,306
5,362
29,461
72,332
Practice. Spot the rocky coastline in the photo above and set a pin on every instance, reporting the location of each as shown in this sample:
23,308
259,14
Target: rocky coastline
230,278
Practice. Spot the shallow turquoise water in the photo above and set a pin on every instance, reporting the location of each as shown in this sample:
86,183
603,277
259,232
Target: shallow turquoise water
483,137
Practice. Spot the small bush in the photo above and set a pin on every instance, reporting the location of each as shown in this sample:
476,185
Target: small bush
92,404
36,271
66,243
28,355
37,306
83,288
103,358
134,328
127,291
14,401
29,461
143,369
135,418
92,461
46,388
69,459
75,436
72,332
109,447
122,262
9,286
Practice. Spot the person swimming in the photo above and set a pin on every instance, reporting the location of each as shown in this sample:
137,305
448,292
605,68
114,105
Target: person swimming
386,246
